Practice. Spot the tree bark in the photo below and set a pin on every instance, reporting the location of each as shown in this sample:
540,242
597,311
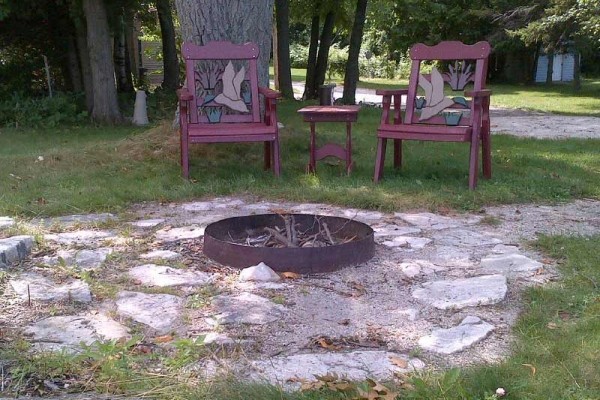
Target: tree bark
275,55
323,56
169,47
73,65
576,71
309,86
236,21
549,72
131,45
282,17
106,106
352,73
84,62
124,81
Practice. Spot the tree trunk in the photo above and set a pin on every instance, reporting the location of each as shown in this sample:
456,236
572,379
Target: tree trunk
124,82
84,62
323,56
73,65
236,21
106,106
309,86
275,55
169,47
549,72
282,17
576,72
131,45
351,75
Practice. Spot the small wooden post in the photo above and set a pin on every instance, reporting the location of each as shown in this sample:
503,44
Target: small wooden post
48,75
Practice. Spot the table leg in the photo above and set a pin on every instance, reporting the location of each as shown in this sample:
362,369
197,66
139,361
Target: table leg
349,163
312,163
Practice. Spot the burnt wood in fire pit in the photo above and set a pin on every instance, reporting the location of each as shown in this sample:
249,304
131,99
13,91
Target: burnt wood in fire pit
339,242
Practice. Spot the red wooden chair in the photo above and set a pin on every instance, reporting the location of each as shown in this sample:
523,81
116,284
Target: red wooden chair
219,102
432,116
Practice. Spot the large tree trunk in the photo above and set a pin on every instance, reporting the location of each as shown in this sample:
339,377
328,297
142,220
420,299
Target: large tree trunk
282,17
106,106
73,64
309,86
323,56
236,21
169,48
351,76
131,46
84,62
124,81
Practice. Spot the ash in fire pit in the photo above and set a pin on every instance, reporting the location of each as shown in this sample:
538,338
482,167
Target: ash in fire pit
302,243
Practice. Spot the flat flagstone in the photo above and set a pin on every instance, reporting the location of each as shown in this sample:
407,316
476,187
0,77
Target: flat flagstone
147,223
84,259
6,222
464,238
181,233
68,221
362,215
429,221
509,263
68,332
163,276
408,242
461,293
218,339
413,268
394,230
45,290
504,249
447,341
161,255
355,366
245,308
83,237
451,256
161,312
14,249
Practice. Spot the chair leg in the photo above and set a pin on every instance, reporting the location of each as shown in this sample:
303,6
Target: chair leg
473,162
380,159
267,155
486,151
185,162
276,158
397,153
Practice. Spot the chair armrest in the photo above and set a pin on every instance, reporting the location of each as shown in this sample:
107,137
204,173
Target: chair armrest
390,92
478,93
184,95
269,93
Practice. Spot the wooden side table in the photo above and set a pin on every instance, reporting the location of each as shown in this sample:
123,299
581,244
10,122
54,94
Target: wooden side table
314,114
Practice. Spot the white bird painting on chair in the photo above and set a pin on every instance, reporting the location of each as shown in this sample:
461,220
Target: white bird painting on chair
435,101
232,87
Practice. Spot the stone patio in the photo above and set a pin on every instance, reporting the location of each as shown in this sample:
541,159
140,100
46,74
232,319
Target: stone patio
443,287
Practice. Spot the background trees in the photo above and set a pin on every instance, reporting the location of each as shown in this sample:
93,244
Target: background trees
91,47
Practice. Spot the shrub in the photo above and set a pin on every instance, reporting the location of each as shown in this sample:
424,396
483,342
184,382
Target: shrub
298,55
21,111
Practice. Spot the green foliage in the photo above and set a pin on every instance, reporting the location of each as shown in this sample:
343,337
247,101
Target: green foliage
298,55
62,109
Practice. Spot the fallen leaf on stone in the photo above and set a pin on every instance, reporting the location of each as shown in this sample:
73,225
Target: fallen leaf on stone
399,362
136,281
547,261
551,325
531,367
327,344
344,322
163,339
290,275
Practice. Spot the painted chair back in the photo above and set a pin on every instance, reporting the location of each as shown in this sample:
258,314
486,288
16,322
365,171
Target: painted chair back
223,79
458,65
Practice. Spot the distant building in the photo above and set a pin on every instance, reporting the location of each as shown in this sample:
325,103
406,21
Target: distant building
563,67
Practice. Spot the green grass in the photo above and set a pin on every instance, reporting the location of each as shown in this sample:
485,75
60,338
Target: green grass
556,98
89,169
